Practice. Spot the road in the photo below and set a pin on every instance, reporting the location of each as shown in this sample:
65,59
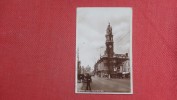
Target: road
109,85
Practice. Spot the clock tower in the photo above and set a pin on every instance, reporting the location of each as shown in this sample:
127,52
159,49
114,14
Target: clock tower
109,42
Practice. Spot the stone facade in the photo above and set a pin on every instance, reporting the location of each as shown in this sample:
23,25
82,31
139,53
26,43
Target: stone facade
110,64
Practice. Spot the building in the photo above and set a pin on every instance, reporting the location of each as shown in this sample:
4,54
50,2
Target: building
111,64
78,67
88,69
82,70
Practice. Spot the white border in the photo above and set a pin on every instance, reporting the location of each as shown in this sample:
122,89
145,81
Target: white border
131,58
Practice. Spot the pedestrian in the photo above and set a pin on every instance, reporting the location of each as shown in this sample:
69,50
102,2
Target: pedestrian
88,80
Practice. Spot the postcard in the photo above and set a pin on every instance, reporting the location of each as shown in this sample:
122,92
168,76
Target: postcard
104,50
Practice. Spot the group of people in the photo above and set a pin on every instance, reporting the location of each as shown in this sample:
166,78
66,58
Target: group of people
86,78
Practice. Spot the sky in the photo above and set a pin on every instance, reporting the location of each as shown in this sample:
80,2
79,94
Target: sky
91,25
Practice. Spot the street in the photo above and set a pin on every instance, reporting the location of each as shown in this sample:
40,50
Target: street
108,85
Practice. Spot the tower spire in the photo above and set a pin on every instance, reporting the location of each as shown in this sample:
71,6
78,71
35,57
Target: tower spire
109,41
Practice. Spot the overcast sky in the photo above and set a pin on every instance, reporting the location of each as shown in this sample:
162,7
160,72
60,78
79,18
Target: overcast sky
91,30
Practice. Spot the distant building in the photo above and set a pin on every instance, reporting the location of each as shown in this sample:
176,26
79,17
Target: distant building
88,69
110,64
82,70
79,67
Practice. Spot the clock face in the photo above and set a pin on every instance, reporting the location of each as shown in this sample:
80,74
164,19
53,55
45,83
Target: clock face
110,46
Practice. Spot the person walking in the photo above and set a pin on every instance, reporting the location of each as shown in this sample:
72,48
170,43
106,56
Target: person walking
88,80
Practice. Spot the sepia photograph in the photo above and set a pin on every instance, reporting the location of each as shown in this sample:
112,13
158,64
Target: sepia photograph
104,50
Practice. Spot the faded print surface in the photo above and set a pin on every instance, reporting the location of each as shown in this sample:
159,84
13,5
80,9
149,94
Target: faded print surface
103,45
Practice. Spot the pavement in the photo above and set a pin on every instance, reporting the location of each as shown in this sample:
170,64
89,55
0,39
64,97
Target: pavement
79,86
106,85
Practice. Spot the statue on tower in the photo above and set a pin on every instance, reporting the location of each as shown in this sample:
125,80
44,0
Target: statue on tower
109,29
